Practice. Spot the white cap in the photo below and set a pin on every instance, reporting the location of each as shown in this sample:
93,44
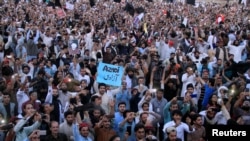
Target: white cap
9,56
170,129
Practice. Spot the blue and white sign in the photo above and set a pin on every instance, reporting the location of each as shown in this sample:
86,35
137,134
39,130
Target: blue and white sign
109,74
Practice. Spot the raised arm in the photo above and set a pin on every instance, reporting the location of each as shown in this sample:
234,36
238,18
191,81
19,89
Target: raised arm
76,133
31,128
20,124
37,36
152,77
166,112
141,102
28,35
157,116
49,96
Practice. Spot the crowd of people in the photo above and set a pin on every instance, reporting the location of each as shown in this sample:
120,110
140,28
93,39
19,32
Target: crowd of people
186,67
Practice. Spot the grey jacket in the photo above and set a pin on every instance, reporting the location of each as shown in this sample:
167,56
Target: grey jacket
4,112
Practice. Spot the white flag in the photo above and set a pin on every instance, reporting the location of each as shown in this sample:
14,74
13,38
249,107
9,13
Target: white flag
137,20
185,21
69,6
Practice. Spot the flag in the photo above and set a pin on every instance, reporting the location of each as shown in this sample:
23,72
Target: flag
137,20
60,13
220,18
69,6
185,21
164,12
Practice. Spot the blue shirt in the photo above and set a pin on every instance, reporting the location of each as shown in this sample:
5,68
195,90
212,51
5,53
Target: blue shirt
123,129
27,139
122,96
77,135
118,119
208,92
50,71
21,135
168,115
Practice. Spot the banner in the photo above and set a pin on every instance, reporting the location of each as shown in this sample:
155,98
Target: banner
74,47
60,13
110,74
220,18
137,20
69,6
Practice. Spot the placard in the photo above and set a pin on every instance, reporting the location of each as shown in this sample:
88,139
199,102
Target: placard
110,74
60,13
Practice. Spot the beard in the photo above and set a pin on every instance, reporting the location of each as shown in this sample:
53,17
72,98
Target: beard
69,123
55,97
130,76
64,90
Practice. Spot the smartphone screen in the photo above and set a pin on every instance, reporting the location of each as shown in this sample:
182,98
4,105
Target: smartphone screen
29,78
129,130
180,98
193,95
172,76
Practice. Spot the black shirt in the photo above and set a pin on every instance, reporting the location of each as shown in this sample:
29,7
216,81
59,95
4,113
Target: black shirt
60,137
8,111
7,108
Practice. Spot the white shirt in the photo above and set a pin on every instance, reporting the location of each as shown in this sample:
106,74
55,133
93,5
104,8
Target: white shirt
187,80
129,82
211,40
219,118
180,129
150,116
105,102
142,101
88,40
166,52
64,98
79,77
23,76
31,69
111,93
231,37
203,47
197,61
236,51
21,98
47,40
